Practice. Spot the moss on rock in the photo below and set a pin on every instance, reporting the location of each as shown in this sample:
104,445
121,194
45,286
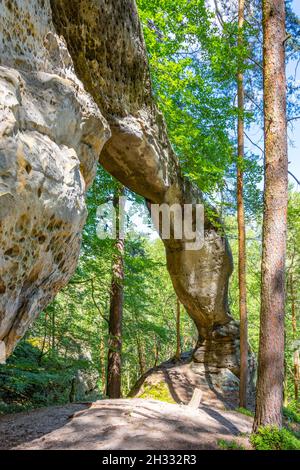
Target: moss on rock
157,391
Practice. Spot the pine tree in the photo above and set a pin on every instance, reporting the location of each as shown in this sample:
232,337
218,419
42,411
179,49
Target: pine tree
271,347
241,222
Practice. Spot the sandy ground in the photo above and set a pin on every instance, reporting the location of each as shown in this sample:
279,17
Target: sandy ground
123,424
20,428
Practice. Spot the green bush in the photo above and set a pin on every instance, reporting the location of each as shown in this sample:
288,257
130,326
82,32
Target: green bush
245,411
28,382
272,438
229,445
292,412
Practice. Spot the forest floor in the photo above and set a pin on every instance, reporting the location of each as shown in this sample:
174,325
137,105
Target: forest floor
124,424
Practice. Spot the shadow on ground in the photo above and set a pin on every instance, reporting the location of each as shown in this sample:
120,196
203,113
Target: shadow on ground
141,424
20,428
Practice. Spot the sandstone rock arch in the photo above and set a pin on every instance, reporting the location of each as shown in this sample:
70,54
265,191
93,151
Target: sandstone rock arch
76,85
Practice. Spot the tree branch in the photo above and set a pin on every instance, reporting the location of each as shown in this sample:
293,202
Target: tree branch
253,143
293,176
293,118
218,14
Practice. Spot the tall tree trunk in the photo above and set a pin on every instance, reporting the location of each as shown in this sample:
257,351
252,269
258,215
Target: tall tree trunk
241,223
294,327
178,339
271,345
113,389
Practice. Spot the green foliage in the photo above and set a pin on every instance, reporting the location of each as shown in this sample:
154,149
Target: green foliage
245,411
29,381
192,84
292,412
272,438
229,445
72,333
253,245
193,63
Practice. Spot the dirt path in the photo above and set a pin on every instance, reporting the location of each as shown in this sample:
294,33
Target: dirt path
20,428
123,424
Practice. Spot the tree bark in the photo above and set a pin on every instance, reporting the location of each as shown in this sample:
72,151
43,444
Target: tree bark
241,222
271,346
113,388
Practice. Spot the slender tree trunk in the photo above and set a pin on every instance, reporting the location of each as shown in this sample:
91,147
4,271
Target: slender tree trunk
44,340
271,345
102,366
156,351
285,385
296,374
53,331
294,327
241,224
141,356
128,380
113,388
178,338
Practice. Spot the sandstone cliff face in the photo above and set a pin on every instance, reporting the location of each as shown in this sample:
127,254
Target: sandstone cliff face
55,117
51,134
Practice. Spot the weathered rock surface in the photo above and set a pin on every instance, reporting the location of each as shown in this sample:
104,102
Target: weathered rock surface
53,134
124,424
214,376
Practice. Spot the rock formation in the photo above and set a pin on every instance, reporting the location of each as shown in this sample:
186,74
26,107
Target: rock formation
106,43
177,381
69,70
51,134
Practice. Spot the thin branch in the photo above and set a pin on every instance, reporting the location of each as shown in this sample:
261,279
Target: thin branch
253,143
91,280
293,118
255,62
96,305
80,282
218,14
293,176
253,102
296,69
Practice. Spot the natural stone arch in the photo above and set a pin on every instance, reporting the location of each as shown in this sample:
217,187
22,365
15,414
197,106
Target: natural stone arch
108,50
99,64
